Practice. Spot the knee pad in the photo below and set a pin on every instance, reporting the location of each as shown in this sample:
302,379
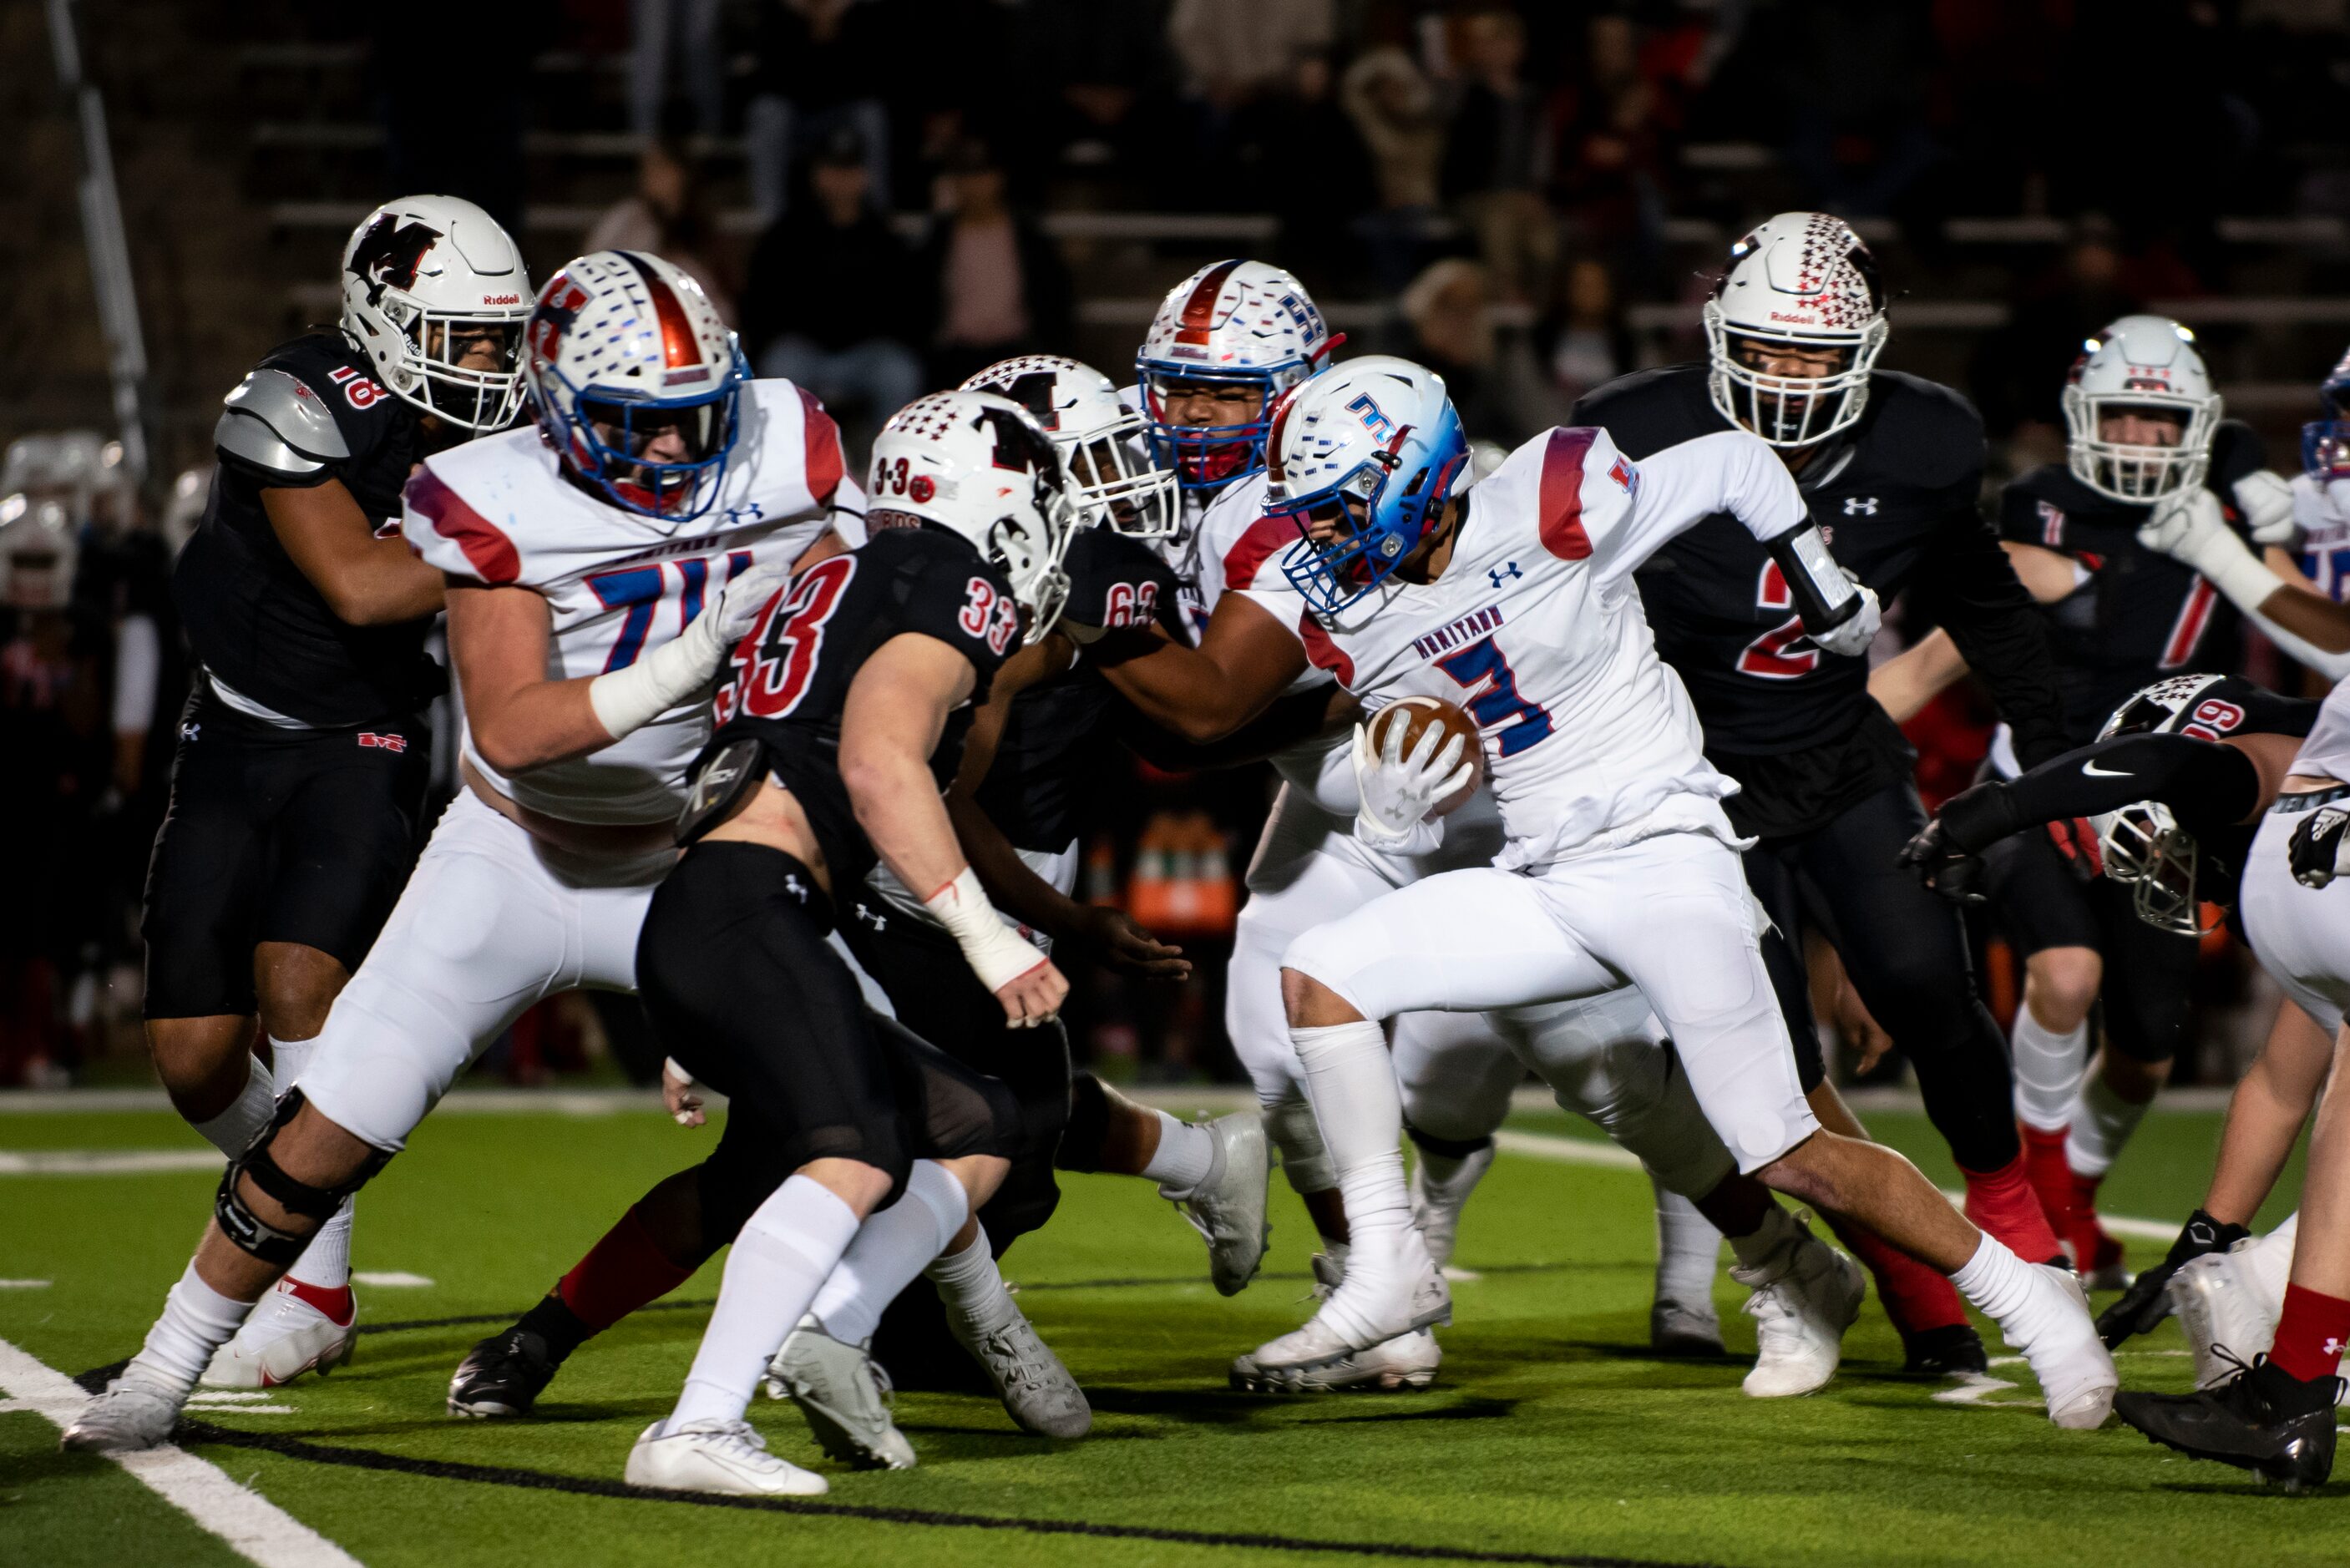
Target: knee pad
1291,1126
1088,1125
1650,1112
247,1230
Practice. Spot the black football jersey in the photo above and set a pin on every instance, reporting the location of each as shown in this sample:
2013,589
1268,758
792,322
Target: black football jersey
2138,616
1053,756
1896,499
252,618
792,672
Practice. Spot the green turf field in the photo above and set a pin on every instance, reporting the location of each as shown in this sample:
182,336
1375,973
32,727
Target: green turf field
1550,1437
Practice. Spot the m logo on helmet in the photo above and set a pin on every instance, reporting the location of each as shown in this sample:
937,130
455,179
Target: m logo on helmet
1368,412
389,253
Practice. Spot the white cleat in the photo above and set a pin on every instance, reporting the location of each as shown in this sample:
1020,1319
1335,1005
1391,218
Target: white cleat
1805,1295
726,1457
1436,1206
2228,1304
845,1395
137,1410
1370,1306
1037,1391
1227,1207
1406,1364
2075,1370
1684,1328
284,1337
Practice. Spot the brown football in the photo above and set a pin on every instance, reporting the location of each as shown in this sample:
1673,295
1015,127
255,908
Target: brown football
1416,713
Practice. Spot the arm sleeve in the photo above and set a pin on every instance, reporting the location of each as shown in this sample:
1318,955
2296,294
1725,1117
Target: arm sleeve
1998,630
1679,486
2207,784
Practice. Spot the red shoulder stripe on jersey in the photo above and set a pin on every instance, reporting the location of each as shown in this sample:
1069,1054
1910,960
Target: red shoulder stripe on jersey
825,462
1264,538
493,557
1200,311
1325,653
1560,505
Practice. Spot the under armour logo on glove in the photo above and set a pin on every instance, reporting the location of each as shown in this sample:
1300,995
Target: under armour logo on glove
1860,505
1500,572
2314,849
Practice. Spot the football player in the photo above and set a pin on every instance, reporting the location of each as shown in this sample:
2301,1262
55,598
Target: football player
596,569
2274,1416
850,699
297,790
2144,430
1889,468
1517,596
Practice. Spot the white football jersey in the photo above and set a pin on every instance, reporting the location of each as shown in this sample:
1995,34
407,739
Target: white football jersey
1590,742
2327,752
618,583
2317,508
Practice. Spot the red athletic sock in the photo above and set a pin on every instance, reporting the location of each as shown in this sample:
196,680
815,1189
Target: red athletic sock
1915,1297
337,1303
2001,1202
2051,1178
621,1272
2310,1333
2085,1233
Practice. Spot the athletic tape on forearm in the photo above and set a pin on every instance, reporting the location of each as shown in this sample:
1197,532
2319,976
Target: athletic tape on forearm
626,701
2230,566
1823,596
995,955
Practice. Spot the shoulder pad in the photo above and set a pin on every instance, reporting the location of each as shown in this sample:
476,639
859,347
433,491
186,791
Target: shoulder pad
273,421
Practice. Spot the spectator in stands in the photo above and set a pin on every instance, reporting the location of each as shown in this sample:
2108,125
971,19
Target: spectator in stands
668,215
1496,157
2019,370
832,299
1394,111
1448,313
1856,87
1231,53
821,64
1102,59
690,28
1305,130
1606,127
999,284
477,154
1592,345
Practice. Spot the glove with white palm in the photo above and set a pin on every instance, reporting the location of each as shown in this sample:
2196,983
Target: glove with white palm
2188,527
1399,791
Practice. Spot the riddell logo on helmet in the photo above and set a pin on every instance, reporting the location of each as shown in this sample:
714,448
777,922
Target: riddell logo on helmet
1799,319
501,299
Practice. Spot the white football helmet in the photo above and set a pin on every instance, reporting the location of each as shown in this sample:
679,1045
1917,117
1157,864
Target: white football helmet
38,547
2141,845
622,350
422,273
1245,323
1112,476
2139,363
1801,281
977,464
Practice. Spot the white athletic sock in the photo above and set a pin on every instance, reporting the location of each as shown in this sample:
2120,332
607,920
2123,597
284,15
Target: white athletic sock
1291,1127
2102,1124
327,1261
1352,1085
776,1266
1184,1158
235,1128
2047,1070
291,1056
197,1320
891,1250
970,1286
2002,1287
1688,1249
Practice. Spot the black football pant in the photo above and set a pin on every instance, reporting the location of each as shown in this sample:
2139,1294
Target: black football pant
1906,950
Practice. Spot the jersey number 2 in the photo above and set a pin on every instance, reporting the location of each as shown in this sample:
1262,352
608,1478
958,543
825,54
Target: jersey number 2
1481,664
1783,653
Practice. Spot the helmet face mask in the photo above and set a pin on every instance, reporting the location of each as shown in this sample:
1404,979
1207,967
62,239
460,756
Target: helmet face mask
2141,846
425,280
1114,483
2325,444
1243,332
1800,289
2140,374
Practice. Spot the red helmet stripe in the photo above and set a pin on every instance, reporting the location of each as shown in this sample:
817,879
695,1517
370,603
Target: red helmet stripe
1200,311
1281,408
681,348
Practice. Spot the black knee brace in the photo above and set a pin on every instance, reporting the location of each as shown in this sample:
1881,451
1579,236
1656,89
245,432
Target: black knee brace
247,1230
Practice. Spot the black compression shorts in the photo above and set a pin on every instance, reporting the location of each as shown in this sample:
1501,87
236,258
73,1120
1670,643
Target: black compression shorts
275,835
734,968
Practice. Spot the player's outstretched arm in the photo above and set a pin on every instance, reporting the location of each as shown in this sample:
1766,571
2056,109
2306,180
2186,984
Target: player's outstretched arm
1905,683
2189,527
1204,693
365,580
895,711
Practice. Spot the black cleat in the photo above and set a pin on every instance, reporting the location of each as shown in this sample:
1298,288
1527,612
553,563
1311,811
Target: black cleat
2262,1420
502,1376
1954,1350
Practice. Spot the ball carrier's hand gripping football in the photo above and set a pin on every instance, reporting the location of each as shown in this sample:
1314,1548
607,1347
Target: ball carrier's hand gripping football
1840,613
1405,795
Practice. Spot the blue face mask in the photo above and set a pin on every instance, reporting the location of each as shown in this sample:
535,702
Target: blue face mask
674,490
1384,509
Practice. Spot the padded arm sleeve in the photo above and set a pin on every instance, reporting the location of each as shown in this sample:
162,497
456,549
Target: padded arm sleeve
1999,632
2205,783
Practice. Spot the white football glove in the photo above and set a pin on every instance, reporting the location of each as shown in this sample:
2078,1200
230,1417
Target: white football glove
2266,502
682,668
1851,638
2187,527
1398,792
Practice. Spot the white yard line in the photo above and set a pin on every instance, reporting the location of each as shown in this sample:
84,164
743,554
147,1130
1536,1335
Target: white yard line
106,1161
254,1528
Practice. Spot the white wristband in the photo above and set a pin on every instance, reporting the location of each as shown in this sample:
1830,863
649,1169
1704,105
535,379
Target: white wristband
680,670
995,955
668,1064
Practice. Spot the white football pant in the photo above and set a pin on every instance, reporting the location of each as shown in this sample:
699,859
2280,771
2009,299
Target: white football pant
2301,935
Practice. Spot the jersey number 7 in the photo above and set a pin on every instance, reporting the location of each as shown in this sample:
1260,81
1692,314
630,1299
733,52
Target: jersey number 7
1482,664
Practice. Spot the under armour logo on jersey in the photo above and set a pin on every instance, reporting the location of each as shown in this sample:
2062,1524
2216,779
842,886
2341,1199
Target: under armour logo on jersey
1860,505
794,886
878,921
749,511
188,731
1498,573
2332,1346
